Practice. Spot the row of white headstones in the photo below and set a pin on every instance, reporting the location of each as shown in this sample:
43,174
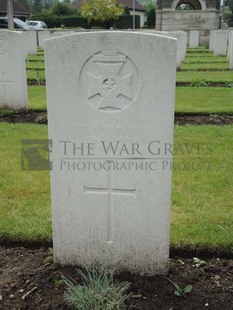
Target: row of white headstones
15,47
110,100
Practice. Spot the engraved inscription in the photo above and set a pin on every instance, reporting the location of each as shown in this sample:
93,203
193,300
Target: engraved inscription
3,46
4,83
109,80
109,191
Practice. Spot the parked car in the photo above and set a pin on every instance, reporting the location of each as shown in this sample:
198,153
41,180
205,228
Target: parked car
36,24
18,23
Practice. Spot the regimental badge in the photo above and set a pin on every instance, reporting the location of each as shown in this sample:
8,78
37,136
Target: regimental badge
109,80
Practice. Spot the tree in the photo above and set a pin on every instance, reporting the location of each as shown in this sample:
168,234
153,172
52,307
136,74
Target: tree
101,10
26,4
228,11
37,6
150,7
62,8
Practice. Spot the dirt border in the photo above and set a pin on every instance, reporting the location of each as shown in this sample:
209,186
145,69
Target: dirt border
40,117
186,251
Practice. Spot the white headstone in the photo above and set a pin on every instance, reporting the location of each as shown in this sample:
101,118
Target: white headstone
42,36
56,33
211,40
194,38
220,42
13,82
229,44
231,51
111,114
31,41
184,43
181,46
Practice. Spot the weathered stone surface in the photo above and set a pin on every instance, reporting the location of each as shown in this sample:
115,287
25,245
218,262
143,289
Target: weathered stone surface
110,117
194,38
220,42
13,83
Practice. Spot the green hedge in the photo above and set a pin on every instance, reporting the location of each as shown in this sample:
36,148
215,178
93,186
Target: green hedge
126,21
52,21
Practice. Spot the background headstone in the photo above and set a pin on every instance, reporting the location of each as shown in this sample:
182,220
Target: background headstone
42,36
194,38
231,51
13,82
31,41
111,207
229,43
211,40
220,42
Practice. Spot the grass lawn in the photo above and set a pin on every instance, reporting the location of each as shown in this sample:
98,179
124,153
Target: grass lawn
182,76
188,99
36,57
37,97
197,59
218,65
200,54
199,48
202,212
35,65
191,76
25,198
204,99
36,74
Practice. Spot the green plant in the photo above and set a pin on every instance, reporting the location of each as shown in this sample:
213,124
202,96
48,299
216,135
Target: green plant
97,292
49,257
38,77
197,262
181,261
58,283
229,84
62,8
102,11
199,82
179,291
150,7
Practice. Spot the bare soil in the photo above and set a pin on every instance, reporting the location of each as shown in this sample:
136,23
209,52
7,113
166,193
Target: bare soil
39,117
29,280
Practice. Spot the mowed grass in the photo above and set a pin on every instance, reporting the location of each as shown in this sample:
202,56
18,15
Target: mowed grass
208,76
25,199
182,76
191,66
37,98
188,99
38,75
35,65
202,204
215,100
206,59
35,58
200,54
202,211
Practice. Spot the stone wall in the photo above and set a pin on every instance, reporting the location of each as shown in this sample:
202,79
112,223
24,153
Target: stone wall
204,21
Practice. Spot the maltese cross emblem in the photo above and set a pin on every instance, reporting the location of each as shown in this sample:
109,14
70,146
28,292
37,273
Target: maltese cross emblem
109,80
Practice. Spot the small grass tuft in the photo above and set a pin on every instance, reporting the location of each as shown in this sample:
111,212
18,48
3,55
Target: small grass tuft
197,262
179,291
98,291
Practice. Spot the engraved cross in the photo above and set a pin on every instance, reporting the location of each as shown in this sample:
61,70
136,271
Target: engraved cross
109,191
4,82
